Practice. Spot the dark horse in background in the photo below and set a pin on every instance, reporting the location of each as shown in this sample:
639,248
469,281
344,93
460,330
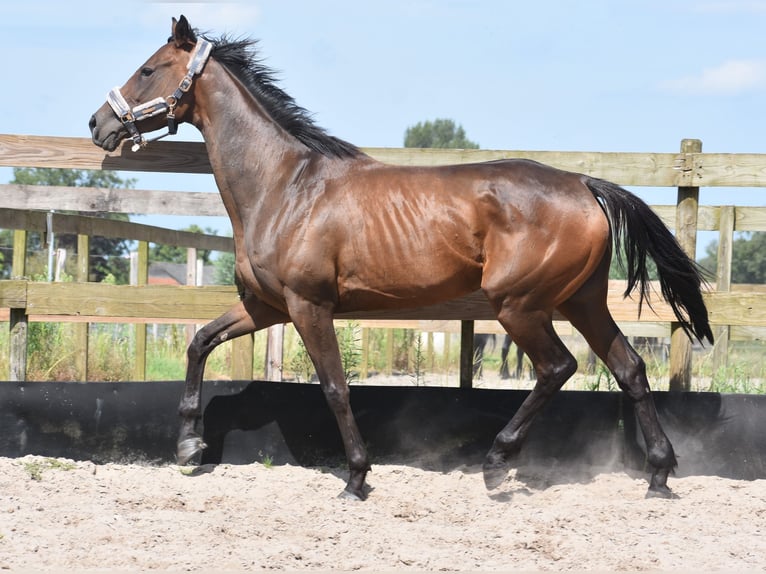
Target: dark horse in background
480,343
321,228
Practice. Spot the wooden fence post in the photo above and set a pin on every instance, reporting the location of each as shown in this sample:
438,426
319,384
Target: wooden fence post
364,363
466,354
686,234
723,285
275,337
142,278
430,352
191,279
242,358
81,329
18,324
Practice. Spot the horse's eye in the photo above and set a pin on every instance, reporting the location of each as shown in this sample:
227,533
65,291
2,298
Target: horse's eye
146,71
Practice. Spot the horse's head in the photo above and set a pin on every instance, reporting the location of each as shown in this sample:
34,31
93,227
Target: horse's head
158,94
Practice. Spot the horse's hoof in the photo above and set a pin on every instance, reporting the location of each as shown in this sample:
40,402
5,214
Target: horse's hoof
348,495
661,492
495,474
188,448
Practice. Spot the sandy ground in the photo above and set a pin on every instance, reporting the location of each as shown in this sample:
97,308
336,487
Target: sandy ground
80,516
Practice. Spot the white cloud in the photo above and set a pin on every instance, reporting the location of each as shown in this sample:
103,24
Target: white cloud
729,78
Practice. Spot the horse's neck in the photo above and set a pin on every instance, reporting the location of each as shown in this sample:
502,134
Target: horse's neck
249,153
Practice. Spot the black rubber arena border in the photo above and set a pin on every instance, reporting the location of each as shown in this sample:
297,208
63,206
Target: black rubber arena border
439,428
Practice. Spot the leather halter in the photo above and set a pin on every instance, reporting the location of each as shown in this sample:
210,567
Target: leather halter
129,116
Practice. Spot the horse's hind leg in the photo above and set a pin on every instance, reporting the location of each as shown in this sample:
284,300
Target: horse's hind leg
588,313
553,363
247,316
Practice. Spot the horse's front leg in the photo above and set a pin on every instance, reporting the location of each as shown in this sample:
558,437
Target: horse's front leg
314,323
247,316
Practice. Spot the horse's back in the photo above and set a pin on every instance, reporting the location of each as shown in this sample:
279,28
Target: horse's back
414,235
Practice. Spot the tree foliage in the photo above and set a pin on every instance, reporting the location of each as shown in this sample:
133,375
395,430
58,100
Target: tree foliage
175,254
748,263
70,178
223,274
439,133
107,255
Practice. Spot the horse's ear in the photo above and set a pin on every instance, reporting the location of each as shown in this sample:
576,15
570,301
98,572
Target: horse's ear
182,33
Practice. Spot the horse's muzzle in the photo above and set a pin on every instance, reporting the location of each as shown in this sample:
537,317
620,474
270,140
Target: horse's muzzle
106,133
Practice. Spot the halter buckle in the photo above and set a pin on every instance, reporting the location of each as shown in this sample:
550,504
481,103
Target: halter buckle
186,83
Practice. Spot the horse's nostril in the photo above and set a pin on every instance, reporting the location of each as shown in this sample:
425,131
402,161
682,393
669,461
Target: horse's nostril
92,122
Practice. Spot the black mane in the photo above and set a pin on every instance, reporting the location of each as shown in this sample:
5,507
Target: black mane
240,57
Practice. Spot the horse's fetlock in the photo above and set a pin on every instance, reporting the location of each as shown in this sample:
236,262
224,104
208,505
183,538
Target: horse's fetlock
189,409
661,455
507,442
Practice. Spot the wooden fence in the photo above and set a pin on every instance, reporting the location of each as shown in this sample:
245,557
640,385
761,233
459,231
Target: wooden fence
734,314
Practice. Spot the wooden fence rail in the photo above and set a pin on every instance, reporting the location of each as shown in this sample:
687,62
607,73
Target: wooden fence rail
734,313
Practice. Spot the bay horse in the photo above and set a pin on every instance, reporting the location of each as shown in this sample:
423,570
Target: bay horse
321,228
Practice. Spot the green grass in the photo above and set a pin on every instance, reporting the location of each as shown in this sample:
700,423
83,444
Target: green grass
36,468
111,350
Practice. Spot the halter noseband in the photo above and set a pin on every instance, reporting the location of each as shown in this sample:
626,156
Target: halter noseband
129,116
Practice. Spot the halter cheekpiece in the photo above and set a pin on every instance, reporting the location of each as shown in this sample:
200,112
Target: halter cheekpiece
154,107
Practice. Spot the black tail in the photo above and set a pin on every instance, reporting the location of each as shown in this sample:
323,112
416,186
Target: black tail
642,233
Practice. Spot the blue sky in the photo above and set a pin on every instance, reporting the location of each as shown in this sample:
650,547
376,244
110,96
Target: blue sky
592,75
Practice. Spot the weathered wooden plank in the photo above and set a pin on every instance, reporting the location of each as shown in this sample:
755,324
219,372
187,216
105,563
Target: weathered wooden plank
13,293
650,169
81,153
737,309
99,200
150,303
729,170
204,303
103,200
99,300
640,169
750,218
98,226
747,333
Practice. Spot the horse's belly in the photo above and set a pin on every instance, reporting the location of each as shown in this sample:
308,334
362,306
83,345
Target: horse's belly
406,287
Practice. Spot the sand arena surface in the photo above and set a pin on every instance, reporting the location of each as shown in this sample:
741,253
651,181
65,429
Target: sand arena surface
252,517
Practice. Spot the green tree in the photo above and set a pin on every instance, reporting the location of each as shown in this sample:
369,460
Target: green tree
174,254
107,255
748,262
439,133
223,274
